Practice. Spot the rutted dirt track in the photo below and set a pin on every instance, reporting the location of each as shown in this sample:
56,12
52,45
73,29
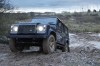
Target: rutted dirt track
85,51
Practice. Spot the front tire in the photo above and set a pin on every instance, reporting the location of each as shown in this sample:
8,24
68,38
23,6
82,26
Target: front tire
14,47
49,44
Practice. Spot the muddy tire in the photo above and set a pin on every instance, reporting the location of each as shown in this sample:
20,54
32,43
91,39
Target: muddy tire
14,47
66,48
41,49
49,45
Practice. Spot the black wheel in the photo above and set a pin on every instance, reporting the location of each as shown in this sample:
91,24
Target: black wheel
66,48
14,47
49,44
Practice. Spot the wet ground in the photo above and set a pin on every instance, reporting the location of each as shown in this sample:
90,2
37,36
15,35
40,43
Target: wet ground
85,51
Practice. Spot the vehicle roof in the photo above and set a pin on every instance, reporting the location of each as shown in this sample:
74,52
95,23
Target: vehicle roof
45,17
49,19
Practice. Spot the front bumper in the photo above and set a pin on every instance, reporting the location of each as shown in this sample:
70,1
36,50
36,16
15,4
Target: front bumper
27,36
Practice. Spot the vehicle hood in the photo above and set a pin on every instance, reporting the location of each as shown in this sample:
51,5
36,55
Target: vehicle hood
27,23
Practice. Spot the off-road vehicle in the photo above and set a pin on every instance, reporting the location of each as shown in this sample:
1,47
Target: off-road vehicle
49,33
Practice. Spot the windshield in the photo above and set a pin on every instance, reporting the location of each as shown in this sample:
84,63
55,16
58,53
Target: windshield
45,20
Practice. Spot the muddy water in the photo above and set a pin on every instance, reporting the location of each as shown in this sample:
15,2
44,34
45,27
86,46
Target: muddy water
84,52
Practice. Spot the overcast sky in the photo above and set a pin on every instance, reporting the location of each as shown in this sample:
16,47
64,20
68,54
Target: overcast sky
55,5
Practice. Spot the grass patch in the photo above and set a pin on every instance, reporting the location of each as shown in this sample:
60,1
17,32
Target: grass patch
84,27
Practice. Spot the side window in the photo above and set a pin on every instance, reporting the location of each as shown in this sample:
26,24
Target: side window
59,24
61,27
66,31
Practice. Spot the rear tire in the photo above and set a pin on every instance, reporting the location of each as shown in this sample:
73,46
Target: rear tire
49,45
14,47
66,48
41,49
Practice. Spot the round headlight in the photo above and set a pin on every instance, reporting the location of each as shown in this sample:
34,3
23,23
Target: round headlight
40,28
14,29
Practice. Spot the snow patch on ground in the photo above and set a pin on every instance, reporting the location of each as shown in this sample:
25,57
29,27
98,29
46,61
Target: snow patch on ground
96,44
75,45
71,34
74,41
97,35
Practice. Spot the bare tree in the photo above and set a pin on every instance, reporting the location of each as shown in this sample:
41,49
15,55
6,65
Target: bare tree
5,5
94,10
2,4
89,11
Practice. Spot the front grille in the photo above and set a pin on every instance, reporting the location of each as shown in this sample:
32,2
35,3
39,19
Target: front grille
26,29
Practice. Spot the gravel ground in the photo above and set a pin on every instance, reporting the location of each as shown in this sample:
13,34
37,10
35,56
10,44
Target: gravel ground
85,51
